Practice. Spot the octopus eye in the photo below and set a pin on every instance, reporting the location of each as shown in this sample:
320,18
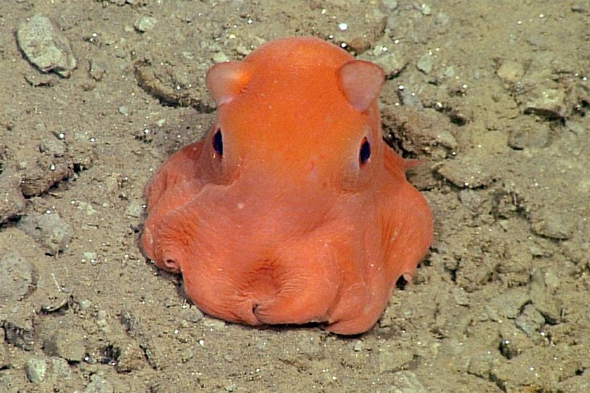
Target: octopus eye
365,152
217,142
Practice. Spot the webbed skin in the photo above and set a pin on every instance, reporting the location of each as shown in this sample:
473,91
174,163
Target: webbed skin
292,209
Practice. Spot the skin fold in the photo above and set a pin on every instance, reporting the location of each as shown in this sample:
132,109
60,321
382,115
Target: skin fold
292,209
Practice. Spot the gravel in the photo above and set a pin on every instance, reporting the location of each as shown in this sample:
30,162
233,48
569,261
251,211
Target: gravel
45,46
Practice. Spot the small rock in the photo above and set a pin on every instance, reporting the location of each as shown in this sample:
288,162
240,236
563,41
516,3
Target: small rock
134,209
393,359
426,10
47,169
45,46
192,314
466,172
391,63
582,9
12,201
530,321
53,147
123,110
214,324
513,341
407,382
145,23
68,345
461,297
84,304
419,132
220,57
481,364
552,224
425,63
49,230
358,346
36,370
509,304
96,71
471,199
546,102
310,347
17,277
231,388
60,369
529,137
543,286
99,385
390,4
131,359
18,330
187,355
90,256
511,71
38,80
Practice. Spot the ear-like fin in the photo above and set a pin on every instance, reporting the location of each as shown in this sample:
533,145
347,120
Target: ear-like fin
361,83
226,80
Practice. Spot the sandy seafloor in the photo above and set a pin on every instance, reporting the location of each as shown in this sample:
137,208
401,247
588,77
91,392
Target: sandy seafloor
493,97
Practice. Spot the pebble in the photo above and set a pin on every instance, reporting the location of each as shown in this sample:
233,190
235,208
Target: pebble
53,147
49,230
407,382
12,201
90,256
36,370
530,321
99,385
582,9
426,10
481,363
145,23
84,304
18,328
393,359
214,324
358,346
60,368
425,63
507,305
45,46
131,359
391,5
546,102
134,209
542,291
309,347
552,224
471,199
192,314
529,137
466,172
220,57
513,342
391,63
17,277
461,296
96,71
